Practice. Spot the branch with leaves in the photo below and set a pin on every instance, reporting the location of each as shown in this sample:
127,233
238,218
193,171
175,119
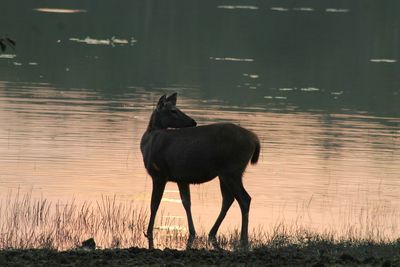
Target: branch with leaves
6,42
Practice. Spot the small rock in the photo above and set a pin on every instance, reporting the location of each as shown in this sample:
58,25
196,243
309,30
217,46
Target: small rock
89,244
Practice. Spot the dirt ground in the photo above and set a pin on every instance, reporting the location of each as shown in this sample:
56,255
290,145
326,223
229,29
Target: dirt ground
288,256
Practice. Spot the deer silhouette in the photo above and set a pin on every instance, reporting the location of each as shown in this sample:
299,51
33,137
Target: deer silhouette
175,150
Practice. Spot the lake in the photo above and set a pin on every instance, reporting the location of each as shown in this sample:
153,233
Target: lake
317,82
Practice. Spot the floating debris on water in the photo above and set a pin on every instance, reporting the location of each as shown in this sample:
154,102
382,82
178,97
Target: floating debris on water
275,97
282,9
383,60
17,63
309,89
232,59
7,55
337,93
89,40
337,10
252,76
60,10
238,7
112,41
306,9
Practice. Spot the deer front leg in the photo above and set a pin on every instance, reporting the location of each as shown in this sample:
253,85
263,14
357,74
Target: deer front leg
184,191
156,195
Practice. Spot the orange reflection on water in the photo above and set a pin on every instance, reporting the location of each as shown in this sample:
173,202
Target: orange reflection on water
325,171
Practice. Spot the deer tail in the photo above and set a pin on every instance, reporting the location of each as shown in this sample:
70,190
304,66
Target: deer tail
256,153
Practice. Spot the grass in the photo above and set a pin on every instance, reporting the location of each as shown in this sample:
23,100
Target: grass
38,223
41,233
27,223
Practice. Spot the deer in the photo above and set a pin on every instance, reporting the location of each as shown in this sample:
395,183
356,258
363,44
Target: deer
175,149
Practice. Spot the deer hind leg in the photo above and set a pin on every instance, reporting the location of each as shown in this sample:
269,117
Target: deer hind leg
235,185
156,195
184,191
227,200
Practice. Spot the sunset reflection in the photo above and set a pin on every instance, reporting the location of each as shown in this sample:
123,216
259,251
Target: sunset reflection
314,169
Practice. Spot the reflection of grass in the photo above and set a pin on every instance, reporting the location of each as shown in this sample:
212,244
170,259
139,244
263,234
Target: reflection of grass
37,223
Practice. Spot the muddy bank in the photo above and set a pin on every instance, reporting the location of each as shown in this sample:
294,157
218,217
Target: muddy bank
287,256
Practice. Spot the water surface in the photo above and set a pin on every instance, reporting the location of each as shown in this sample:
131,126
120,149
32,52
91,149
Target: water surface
76,144
318,83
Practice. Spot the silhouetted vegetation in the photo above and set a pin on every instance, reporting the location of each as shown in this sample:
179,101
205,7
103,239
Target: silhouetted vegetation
51,234
7,42
27,223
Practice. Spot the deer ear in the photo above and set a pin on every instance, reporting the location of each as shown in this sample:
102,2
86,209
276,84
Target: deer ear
172,98
161,102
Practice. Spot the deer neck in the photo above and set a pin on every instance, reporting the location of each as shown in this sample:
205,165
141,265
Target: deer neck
154,123
146,143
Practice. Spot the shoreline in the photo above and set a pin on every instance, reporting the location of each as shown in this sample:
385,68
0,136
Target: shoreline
315,254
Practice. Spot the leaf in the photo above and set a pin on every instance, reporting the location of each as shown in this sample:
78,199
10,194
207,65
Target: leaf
2,46
11,42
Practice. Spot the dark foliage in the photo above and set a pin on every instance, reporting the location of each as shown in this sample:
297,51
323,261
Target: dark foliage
7,42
